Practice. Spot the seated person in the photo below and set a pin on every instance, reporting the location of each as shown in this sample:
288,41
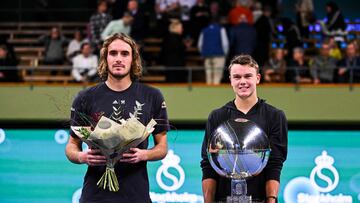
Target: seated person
8,72
54,47
73,48
122,25
173,54
323,66
349,67
85,64
275,68
335,51
298,69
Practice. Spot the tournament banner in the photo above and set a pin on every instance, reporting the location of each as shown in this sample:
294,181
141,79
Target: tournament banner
322,167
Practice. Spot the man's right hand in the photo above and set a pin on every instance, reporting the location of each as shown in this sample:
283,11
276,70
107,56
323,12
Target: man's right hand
92,157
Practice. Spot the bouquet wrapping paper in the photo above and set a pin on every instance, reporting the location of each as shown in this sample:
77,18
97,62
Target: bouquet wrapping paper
113,139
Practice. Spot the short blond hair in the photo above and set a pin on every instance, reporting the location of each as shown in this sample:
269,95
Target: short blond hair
136,67
244,59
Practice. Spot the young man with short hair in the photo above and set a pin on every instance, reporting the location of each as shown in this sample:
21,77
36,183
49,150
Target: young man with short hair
244,77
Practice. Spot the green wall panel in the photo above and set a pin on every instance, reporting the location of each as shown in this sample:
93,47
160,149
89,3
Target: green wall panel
307,103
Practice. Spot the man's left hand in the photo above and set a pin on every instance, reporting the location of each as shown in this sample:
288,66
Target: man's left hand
134,155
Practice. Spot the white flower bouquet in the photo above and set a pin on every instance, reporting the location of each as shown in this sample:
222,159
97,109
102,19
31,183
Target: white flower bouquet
113,139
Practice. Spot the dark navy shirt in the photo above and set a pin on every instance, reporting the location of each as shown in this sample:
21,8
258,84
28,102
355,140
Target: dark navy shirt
138,100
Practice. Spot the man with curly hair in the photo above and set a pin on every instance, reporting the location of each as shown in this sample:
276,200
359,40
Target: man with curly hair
120,96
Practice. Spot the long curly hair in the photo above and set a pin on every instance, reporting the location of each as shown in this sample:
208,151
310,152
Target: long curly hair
136,67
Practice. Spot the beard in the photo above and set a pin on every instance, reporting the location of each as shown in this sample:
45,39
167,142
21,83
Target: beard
118,76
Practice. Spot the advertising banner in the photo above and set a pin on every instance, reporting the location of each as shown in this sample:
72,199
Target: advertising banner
322,167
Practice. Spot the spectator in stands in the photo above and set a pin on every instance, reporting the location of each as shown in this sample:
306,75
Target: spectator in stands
275,68
292,36
138,25
165,10
274,5
186,6
323,66
220,9
298,68
8,71
98,22
168,9
238,11
213,45
257,11
200,18
122,25
349,67
173,53
335,20
73,48
334,49
85,64
242,38
304,16
9,49
117,8
215,11
55,44
265,29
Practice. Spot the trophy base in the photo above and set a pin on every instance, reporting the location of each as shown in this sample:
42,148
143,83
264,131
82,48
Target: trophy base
239,199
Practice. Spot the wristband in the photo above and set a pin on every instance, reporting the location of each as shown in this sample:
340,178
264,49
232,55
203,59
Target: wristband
272,197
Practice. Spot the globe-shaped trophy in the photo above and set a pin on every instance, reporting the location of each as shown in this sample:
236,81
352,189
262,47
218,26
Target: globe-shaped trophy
238,149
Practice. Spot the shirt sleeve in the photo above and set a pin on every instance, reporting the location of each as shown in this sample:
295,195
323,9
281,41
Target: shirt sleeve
200,42
78,116
93,66
207,170
75,70
278,142
224,41
160,114
71,49
107,31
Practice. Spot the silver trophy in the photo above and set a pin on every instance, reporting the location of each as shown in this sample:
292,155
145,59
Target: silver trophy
238,149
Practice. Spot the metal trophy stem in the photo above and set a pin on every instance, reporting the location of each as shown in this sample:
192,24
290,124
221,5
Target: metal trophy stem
238,192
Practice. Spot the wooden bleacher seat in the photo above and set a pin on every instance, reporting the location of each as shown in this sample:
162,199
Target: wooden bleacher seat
152,49
42,25
36,29
30,60
153,78
48,78
24,42
152,41
42,74
194,61
32,51
35,34
48,25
